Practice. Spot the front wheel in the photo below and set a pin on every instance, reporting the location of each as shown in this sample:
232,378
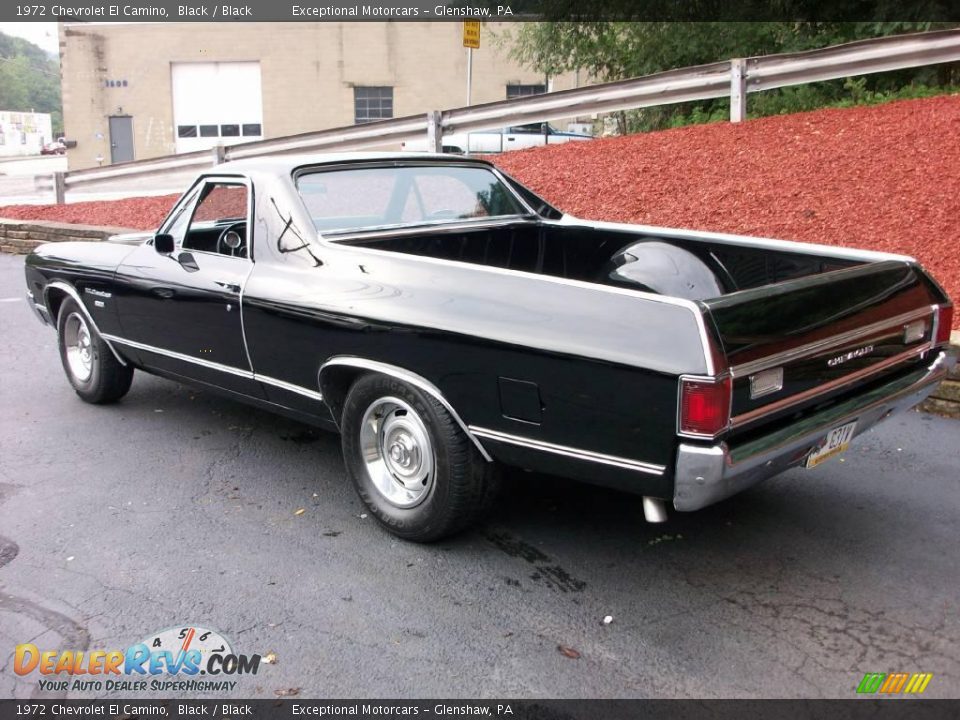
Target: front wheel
411,463
96,375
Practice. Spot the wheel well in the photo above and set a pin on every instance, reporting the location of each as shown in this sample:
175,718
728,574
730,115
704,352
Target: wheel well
54,299
336,377
335,383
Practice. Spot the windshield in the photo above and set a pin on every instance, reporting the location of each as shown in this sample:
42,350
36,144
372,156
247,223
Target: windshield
377,196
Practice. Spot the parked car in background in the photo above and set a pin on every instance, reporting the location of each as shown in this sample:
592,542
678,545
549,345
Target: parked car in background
446,320
517,137
57,147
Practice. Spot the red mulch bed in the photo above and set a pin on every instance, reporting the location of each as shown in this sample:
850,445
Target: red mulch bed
140,213
885,177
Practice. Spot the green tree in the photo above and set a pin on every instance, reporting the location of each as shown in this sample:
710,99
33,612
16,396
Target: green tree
609,51
29,80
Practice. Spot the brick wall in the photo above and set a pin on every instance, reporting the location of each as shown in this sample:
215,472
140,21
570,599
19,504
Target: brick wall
20,237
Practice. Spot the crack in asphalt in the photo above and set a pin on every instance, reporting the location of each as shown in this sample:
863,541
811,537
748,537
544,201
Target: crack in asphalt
836,627
74,635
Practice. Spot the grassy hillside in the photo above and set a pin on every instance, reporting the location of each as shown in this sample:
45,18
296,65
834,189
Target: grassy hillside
29,80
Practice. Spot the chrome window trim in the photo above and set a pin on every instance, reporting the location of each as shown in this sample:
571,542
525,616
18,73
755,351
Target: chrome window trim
407,376
220,367
72,292
751,416
797,353
570,452
403,229
402,163
226,179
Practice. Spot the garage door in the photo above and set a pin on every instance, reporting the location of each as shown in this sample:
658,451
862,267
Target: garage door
216,102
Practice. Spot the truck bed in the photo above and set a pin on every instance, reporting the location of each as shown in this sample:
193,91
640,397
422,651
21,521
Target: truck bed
826,321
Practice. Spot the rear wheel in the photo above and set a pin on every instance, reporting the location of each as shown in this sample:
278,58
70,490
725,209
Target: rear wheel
411,463
96,375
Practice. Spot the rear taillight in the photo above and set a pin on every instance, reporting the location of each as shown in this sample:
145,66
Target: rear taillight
944,322
704,406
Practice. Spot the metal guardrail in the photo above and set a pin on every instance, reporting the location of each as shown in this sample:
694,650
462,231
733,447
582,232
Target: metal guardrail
734,78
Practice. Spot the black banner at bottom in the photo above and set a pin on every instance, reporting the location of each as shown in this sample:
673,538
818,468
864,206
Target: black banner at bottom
295,709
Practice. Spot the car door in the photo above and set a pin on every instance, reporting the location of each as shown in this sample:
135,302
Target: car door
181,311
525,136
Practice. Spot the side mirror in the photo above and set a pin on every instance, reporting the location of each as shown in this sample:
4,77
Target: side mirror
163,243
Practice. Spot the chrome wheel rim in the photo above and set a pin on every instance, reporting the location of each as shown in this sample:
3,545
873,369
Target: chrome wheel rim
79,346
398,455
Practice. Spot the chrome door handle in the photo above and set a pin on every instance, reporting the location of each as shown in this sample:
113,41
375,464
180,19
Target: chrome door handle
232,287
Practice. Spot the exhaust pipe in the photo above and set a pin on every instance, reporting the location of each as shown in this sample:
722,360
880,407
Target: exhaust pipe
654,511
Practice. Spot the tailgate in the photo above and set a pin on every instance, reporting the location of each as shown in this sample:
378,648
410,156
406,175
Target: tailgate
799,343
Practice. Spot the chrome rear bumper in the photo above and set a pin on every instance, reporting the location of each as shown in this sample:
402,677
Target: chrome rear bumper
707,474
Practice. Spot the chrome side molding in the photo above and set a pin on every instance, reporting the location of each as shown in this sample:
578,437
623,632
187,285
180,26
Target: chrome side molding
219,367
570,452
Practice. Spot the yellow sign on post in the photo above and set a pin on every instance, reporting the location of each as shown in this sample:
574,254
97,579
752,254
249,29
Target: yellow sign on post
471,34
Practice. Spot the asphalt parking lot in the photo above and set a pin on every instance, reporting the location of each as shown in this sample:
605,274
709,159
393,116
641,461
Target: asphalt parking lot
177,507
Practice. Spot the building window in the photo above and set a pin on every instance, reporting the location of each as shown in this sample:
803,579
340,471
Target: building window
209,131
252,129
230,131
517,91
372,103
186,131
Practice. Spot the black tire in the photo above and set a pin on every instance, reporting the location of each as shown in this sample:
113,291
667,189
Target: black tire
457,492
91,367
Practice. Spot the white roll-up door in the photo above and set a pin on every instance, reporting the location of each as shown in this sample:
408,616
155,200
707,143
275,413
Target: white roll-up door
216,102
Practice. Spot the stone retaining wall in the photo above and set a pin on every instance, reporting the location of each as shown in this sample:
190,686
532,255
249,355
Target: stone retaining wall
21,236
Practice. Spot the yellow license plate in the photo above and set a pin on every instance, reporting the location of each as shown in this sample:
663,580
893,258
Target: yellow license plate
835,443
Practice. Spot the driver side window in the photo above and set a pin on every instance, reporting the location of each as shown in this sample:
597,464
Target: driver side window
219,221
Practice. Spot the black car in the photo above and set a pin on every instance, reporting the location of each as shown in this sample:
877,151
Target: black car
446,321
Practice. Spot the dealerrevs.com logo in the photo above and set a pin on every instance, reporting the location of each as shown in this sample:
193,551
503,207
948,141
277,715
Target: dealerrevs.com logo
167,661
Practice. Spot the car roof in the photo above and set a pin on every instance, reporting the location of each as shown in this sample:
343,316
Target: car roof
288,163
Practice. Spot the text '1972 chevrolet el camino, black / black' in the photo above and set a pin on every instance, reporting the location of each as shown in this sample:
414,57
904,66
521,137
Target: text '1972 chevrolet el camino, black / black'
446,320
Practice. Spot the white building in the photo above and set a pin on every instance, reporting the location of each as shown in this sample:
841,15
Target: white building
24,133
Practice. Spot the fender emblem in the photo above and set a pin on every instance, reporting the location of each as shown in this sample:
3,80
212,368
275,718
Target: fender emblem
841,359
98,293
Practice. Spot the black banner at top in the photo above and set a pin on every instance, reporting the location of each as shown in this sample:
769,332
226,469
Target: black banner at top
499,10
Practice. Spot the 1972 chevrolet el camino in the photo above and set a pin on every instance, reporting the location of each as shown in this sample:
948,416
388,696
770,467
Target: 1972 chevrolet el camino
446,320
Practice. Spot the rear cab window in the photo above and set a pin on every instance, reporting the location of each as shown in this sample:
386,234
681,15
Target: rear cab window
345,200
